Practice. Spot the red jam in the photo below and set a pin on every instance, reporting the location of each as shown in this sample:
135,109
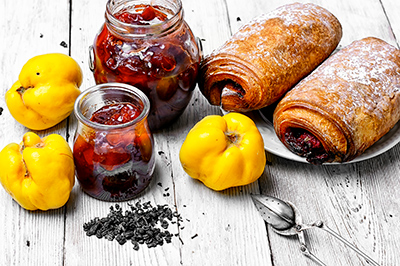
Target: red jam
305,144
147,15
164,67
115,114
114,165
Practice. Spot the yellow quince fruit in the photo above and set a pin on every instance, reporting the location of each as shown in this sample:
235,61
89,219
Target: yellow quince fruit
38,173
45,92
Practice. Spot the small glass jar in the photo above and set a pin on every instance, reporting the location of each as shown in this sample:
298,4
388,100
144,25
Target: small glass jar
113,162
147,44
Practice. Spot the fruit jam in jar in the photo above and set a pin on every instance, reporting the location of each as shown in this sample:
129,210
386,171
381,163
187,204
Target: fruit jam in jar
113,145
147,44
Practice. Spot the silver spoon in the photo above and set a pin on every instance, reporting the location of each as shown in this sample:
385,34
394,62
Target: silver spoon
285,219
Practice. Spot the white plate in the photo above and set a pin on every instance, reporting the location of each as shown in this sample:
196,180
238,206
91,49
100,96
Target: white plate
273,145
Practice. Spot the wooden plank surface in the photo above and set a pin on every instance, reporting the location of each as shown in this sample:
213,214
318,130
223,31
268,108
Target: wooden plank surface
29,238
358,200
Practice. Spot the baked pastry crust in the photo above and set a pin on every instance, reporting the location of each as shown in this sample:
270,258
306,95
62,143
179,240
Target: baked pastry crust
268,56
348,103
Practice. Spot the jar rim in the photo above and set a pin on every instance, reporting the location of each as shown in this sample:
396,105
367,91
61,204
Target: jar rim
141,31
121,87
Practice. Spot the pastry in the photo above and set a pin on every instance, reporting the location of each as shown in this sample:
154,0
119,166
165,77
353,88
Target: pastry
347,104
268,56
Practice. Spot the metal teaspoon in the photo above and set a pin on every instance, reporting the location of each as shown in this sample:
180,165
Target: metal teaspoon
285,219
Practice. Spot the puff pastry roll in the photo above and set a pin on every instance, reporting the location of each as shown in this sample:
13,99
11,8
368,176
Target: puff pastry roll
268,56
346,105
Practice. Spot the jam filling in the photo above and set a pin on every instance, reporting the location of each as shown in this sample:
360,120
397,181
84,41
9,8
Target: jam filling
146,15
304,144
116,114
223,91
114,165
231,87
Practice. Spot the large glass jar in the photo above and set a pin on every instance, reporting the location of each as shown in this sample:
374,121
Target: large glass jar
147,44
113,145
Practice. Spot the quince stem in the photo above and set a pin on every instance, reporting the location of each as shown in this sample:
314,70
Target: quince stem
233,138
22,89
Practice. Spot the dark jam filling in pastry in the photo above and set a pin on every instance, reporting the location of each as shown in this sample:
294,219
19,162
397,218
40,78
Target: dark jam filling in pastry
234,88
304,144
226,88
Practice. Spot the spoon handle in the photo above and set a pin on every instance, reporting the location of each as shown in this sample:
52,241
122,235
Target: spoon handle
321,225
308,254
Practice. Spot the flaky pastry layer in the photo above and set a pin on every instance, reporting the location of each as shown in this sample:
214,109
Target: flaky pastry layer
268,56
349,102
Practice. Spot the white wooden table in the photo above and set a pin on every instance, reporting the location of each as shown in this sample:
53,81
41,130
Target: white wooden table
358,200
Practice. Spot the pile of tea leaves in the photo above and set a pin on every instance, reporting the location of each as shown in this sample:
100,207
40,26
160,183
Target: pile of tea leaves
141,224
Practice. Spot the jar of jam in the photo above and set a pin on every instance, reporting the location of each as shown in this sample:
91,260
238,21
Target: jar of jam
147,44
113,145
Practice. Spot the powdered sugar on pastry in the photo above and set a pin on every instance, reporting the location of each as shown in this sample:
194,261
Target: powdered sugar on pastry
268,55
372,75
349,102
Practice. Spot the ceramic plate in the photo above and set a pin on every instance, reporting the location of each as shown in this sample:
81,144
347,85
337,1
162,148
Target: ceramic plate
273,145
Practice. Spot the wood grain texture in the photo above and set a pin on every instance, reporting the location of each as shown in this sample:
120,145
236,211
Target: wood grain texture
29,238
358,200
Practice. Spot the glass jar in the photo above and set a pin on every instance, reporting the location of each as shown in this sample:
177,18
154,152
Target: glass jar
113,162
147,44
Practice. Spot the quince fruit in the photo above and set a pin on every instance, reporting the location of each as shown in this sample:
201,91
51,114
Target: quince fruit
45,92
